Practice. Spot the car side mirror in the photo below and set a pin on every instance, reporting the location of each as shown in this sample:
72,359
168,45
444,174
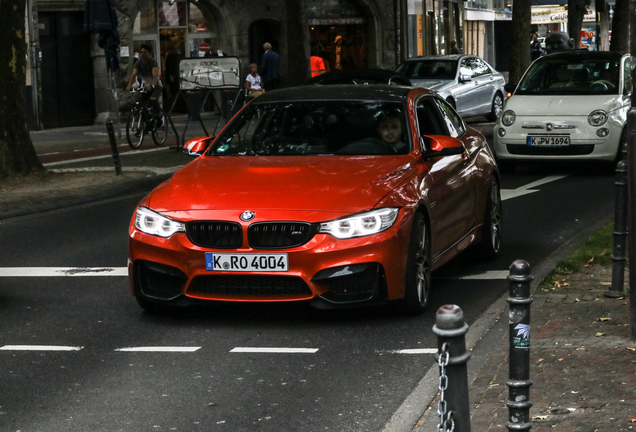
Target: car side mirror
197,146
441,145
465,78
510,87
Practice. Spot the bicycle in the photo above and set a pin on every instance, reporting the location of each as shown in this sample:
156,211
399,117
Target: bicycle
141,121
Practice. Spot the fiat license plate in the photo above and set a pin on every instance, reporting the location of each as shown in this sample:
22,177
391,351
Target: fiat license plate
246,262
549,140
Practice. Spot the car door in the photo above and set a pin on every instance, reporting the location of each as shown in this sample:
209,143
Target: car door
451,191
485,84
466,97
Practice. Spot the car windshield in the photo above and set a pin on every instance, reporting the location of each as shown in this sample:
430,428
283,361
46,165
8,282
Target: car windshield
316,128
558,76
429,69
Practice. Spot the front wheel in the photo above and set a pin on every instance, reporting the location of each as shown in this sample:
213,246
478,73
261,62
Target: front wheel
135,129
496,108
490,243
160,131
417,284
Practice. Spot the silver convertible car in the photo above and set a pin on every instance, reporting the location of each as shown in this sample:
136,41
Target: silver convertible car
467,82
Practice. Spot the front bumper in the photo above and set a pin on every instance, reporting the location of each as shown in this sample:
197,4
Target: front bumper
325,270
584,141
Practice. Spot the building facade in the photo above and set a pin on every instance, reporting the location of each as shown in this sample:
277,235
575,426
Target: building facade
74,79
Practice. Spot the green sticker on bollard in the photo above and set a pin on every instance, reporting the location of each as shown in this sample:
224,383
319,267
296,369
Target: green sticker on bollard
522,338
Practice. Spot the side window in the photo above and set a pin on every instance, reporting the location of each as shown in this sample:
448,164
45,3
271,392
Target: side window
482,67
465,68
453,122
429,118
627,72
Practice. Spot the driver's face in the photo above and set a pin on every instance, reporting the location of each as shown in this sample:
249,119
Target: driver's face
390,130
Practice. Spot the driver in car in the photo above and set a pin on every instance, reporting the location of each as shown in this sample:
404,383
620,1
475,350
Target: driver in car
389,128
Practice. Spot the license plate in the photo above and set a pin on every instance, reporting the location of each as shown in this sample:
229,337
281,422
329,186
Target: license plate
246,262
549,140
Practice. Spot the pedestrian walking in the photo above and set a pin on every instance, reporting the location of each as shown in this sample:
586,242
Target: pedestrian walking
317,63
454,48
270,68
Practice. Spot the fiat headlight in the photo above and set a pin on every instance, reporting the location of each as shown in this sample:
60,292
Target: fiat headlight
153,223
362,224
597,118
508,118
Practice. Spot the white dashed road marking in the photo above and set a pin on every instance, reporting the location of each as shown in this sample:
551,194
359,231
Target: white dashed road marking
416,351
39,348
526,189
159,349
62,271
275,350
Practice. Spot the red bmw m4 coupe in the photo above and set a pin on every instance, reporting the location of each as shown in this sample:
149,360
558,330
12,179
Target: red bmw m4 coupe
334,195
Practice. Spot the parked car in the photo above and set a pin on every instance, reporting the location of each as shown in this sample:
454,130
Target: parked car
335,195
467,82
568,106
360,77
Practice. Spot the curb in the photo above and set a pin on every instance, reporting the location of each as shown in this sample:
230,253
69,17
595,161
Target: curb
414,413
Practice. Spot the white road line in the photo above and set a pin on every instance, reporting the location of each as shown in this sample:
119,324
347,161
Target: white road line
275,350
132,152
62,271
159,349
416,351
39,348
526,189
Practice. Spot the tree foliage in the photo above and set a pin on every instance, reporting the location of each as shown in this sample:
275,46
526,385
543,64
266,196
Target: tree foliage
17,154
520,54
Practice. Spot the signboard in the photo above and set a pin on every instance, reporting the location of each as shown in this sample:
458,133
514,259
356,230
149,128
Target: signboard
209,73
557,14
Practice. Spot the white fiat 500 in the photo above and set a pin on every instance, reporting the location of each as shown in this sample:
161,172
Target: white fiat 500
568,106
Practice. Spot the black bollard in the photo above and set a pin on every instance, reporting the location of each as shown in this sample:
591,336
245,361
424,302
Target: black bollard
113,146
453,406
620,233
519,356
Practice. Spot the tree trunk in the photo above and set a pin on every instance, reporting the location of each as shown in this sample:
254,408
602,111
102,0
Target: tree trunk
520,54
576,12
297,43
17,155
620,27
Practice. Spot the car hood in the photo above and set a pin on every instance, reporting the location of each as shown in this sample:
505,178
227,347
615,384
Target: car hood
322,183
432,84
562,105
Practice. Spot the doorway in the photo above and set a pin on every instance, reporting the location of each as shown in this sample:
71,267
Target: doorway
68,87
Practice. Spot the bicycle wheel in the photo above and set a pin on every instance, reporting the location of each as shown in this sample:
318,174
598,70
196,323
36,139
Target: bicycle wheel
135,129
160,133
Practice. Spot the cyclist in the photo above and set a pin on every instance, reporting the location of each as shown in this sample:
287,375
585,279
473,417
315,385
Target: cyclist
148,69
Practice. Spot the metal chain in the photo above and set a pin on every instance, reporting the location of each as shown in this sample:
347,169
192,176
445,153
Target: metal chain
446,422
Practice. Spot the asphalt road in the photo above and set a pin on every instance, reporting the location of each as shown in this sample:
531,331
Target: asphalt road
102,364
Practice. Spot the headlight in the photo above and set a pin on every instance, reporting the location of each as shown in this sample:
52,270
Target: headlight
508,118
597,118
153,223
362,224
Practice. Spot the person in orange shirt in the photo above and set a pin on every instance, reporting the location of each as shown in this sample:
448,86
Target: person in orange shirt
317,63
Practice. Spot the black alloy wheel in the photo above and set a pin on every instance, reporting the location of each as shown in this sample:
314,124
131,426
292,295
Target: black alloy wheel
417,285
490,243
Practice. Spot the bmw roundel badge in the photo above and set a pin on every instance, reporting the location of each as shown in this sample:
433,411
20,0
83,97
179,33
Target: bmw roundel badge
247,215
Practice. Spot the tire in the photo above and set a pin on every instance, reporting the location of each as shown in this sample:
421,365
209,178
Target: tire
488,247
496,107
160,133
135,129
417,284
